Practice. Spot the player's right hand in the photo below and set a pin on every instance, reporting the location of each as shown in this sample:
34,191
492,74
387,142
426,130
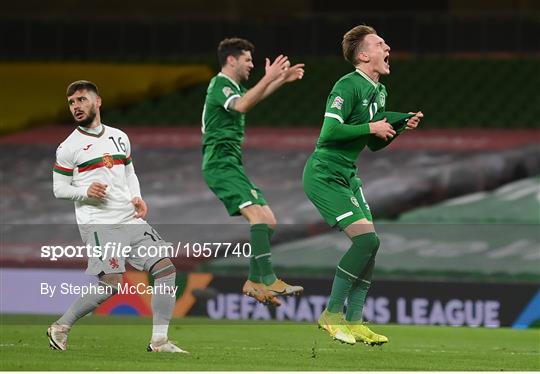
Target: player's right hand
97,190
382,129
277,68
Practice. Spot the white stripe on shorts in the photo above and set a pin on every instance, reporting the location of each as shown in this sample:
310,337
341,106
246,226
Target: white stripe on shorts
243,205
344,215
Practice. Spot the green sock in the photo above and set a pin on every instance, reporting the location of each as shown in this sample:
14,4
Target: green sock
254,270
260,246
358,293
350,267
340,291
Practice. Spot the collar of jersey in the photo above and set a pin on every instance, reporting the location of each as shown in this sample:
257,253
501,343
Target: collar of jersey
366,77
90,134
220,74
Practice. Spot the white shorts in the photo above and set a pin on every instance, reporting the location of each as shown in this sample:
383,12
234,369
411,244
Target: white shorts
136,243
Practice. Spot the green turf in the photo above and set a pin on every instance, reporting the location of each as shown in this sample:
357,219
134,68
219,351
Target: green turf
114,343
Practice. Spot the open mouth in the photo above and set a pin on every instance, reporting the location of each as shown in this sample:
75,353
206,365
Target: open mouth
387,60
79,115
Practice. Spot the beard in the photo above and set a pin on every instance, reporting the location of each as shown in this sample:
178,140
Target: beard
242,74
88,120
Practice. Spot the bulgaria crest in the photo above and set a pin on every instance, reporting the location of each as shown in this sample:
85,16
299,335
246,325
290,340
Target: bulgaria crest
108,161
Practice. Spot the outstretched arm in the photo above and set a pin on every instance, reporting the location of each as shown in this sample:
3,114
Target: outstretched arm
289,75
255,94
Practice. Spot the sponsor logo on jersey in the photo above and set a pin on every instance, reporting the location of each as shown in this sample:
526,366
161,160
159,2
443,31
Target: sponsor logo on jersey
337,103
113,262
255,194
355,202
87,147
382,99
108,161
227,91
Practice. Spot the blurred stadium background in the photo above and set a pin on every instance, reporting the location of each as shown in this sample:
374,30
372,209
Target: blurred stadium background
456,202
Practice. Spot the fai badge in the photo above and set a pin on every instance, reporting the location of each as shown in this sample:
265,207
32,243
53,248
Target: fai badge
255,194
355,202
227,91
108,161
382,99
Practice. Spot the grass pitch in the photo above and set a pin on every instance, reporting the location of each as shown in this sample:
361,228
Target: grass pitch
119,343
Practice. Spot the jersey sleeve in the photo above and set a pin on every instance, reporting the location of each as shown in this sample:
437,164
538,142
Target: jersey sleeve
128,149
63,175
64,163
340,103
131,178
223,92
334,131
339,106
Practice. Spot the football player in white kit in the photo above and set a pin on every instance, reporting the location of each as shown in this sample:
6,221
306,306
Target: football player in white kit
93,168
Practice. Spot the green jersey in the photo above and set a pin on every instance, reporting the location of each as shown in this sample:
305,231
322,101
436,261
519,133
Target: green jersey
330,177
354,101
222,128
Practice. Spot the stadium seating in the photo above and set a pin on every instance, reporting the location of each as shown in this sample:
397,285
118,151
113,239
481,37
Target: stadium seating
479,88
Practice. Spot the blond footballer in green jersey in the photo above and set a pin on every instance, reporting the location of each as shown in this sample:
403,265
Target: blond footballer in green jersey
223,120
355,117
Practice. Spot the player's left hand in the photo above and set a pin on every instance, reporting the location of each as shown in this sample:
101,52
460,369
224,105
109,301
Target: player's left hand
140,207
414,121
290,74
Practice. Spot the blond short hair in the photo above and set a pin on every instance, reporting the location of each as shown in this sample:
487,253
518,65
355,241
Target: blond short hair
352,42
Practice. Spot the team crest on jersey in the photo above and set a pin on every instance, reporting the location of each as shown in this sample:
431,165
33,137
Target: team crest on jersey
227,91
365,102
255,194
382,99
337,103
355,202
108,161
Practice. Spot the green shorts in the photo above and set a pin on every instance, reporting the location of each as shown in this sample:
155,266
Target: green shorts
336,192
231,185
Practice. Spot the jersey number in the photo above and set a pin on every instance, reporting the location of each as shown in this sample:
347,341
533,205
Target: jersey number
122,145
153,235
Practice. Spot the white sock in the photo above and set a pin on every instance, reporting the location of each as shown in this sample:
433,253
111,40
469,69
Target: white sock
162,306
159,332
86,303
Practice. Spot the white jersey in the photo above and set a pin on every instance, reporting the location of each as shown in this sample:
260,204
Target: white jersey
101,157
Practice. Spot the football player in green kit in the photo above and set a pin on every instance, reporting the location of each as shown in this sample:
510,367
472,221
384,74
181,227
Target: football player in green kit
355,116
223,120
